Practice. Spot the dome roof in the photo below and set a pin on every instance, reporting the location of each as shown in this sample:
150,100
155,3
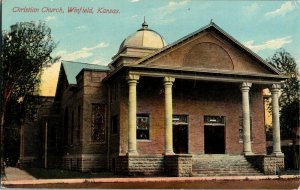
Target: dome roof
144,38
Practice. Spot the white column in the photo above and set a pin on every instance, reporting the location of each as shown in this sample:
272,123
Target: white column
275,120
168,83
132,82
245,87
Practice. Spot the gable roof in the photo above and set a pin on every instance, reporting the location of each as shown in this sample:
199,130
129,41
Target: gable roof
72,69
215,27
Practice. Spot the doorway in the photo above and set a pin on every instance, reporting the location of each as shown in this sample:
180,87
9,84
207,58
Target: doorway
180,139
214,139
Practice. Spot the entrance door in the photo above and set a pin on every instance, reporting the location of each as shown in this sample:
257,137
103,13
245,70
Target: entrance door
214,141
180,139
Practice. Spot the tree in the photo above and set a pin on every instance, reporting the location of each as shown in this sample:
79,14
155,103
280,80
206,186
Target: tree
289,98
26,50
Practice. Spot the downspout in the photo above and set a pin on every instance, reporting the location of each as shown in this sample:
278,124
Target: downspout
108,126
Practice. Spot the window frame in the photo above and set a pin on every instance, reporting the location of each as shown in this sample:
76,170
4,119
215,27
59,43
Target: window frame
93,141
149,126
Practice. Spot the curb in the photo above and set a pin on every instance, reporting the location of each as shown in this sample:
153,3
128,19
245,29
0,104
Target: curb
143,180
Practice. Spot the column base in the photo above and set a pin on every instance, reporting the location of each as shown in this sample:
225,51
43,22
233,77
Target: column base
132,153
277,154
248,153
168,153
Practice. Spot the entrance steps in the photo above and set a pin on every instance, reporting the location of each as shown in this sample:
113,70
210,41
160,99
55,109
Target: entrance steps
222,165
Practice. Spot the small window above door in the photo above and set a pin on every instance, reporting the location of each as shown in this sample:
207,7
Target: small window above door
180,120
214,120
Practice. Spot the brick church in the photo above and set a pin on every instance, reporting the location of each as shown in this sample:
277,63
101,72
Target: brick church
183,109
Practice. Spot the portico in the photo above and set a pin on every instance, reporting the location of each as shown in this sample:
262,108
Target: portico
167,81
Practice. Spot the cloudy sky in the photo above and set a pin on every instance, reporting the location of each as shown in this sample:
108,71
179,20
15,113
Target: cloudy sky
263,26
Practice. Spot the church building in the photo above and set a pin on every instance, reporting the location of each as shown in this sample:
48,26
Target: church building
191,108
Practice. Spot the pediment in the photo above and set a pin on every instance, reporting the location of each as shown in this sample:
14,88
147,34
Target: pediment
210,49
208,55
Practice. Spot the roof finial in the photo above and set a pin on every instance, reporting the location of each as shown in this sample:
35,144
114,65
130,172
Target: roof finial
211,21
144,25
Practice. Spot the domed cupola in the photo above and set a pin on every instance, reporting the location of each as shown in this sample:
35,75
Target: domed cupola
144,38
138,45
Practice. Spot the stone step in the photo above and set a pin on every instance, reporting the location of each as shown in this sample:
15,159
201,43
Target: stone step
222,165
225,169
228,174
217,156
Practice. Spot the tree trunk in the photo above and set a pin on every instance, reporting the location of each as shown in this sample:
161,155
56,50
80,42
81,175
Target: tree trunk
6,96
2,141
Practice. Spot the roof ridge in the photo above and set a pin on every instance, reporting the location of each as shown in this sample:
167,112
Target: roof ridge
63,61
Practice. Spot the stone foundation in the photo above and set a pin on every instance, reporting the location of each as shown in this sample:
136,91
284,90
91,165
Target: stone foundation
155,165
179,165
84,163
273,165
149,165
268,164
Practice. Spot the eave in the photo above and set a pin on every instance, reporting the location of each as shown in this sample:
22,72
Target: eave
205,74
201,74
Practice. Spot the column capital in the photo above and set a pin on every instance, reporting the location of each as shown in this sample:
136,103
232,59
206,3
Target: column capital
132,78
275,87
169,80
245,85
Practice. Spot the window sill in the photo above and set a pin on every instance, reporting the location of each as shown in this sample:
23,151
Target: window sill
143,140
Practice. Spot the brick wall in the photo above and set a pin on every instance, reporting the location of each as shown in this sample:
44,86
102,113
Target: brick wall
195,99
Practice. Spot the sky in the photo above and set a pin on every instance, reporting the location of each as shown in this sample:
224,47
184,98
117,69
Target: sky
94,36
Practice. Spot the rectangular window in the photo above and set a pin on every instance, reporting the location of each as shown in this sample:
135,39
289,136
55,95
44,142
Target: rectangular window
98,123
142,128
114,124
72,128
114,93
52,135
241,129
66,126
78,124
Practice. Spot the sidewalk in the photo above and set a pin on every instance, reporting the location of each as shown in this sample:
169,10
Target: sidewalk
16,174
20,178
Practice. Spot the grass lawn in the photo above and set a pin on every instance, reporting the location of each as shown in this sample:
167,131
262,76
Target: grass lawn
41,173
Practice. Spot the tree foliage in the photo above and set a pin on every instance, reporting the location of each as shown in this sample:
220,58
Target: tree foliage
289,98
26,50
